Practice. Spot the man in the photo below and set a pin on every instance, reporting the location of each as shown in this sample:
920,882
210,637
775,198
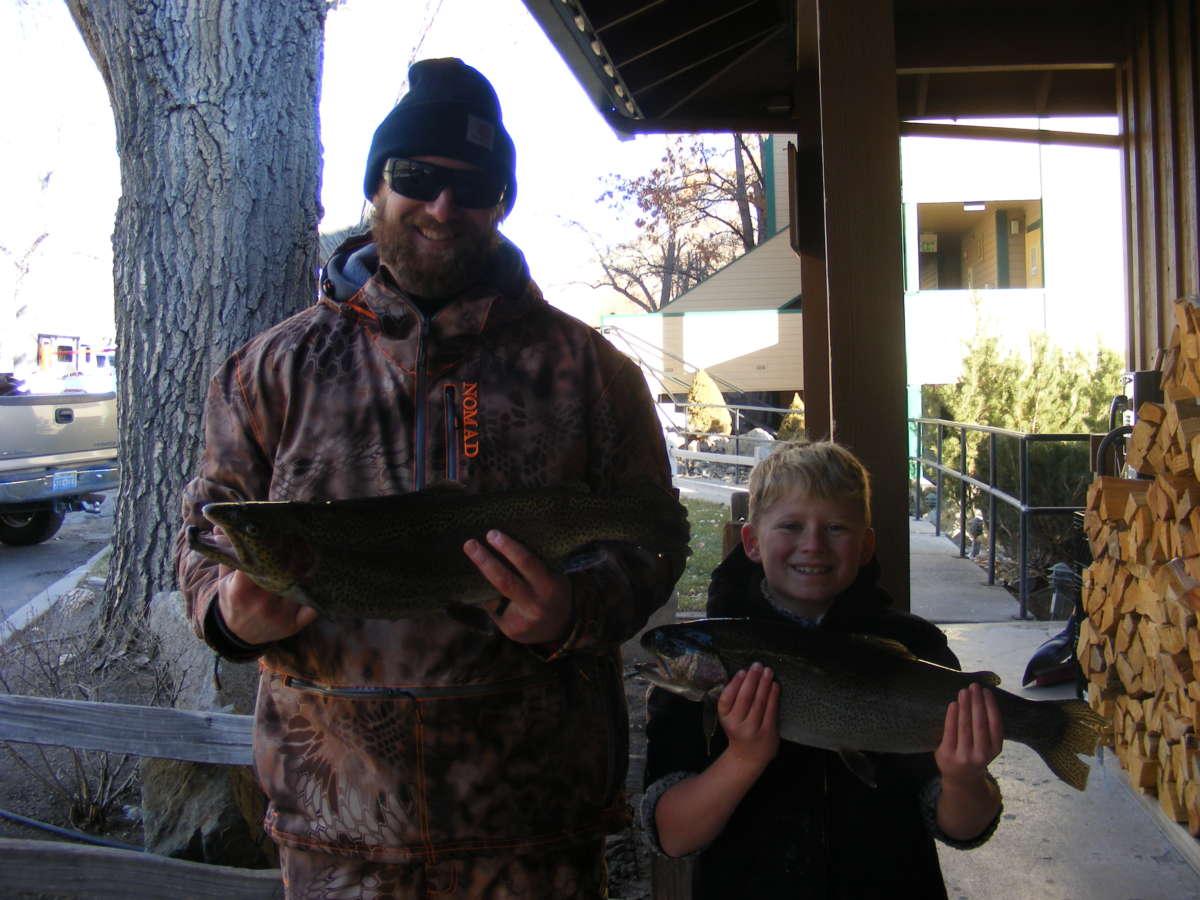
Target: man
424,757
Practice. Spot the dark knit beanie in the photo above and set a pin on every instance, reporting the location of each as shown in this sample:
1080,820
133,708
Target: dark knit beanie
450,110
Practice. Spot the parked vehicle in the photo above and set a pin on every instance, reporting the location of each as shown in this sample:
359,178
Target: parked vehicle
58,453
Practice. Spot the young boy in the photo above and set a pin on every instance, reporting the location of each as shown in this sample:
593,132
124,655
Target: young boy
771,819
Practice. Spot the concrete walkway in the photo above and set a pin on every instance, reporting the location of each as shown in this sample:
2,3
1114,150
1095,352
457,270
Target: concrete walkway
1054,843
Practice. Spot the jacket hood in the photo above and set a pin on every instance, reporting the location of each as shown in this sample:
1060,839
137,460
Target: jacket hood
349,267
356,261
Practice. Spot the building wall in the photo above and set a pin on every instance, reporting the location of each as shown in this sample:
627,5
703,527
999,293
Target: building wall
779,165
755,350
765,278
1076,295
979,255
1160,113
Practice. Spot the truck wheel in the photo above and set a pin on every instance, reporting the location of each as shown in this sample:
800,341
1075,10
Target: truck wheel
25,528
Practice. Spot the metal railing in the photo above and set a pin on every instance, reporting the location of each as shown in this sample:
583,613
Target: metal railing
995,494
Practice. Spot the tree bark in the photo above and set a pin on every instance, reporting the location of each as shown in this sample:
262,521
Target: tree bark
743,199
216,229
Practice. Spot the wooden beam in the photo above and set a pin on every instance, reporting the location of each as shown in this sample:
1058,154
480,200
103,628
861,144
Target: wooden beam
807,227
860,159
1031,135
1004,36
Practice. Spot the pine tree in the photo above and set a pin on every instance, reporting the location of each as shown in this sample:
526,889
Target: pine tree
707,413
792,426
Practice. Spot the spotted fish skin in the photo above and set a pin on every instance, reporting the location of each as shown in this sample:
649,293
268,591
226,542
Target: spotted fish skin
856,693
401,557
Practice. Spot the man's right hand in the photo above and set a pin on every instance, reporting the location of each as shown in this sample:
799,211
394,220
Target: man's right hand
257,616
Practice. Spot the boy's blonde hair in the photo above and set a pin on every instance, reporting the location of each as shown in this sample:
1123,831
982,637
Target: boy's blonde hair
821,469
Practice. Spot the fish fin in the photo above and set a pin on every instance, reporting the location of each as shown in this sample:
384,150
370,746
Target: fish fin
586,560
858,763
297,594
988,679
1082,731
887,644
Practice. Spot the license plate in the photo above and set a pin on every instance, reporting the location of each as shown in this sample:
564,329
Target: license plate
65,481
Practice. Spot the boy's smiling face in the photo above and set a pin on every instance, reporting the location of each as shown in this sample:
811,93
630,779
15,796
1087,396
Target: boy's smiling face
811,548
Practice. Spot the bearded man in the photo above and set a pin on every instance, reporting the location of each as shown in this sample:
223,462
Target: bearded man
427,757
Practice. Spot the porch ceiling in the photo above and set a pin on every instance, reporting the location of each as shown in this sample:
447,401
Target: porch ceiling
750,65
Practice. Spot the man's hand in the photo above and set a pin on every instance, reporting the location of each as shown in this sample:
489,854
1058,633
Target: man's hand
257,616
539,607
254,615
748,710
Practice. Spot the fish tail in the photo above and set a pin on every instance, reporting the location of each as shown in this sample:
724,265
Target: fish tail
1082,730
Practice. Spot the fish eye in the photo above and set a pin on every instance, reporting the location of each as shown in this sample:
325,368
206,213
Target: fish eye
251,529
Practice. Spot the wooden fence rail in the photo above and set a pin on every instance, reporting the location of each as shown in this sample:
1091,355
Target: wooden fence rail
101,873
73,870
121,728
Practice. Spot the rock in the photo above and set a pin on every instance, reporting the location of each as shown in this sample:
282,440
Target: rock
194,811
715,443
204,683
205,813
758,434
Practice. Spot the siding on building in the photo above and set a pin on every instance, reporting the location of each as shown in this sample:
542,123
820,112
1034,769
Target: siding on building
1160,113
768,277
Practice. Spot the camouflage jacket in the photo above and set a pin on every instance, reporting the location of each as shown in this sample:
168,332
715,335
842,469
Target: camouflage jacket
390,740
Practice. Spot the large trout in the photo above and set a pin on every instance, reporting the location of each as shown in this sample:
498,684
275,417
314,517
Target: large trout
855,693
402,556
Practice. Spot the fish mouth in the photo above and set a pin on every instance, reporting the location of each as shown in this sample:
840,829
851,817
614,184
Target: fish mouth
204,543
690,675
656,672
660,675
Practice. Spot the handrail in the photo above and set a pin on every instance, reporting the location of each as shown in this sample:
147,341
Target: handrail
1020,503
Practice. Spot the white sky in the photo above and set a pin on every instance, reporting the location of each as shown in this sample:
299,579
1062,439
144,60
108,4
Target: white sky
59,175
58,162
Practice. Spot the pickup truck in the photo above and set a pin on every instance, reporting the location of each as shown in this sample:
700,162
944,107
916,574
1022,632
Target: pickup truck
58,452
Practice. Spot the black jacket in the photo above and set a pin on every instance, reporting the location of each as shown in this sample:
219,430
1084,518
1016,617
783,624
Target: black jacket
809,827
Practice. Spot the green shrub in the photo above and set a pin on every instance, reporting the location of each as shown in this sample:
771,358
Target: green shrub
707,413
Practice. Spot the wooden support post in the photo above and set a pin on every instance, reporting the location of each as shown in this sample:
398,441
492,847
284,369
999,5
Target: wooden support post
862,293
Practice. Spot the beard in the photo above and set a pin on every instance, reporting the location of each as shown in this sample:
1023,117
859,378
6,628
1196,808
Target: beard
434,272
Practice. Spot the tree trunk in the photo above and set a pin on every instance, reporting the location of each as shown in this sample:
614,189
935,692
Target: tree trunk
760,207
215,239
670,264
742,194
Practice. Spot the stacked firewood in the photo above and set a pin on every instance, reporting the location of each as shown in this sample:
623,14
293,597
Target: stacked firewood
1139,646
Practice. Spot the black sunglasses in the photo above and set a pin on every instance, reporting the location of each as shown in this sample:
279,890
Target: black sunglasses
425,182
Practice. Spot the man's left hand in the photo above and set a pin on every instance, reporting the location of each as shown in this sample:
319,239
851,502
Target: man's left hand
539,606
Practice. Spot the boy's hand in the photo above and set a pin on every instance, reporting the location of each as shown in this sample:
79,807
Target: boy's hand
973,736
748,710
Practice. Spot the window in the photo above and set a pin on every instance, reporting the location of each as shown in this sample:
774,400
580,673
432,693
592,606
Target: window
980,244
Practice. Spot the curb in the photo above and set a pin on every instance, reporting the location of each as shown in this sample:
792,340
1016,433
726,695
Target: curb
47,598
